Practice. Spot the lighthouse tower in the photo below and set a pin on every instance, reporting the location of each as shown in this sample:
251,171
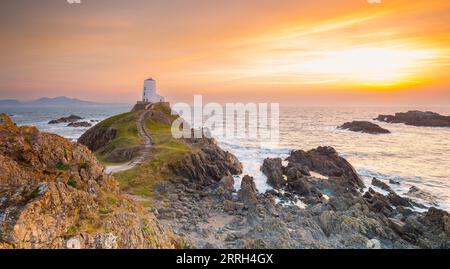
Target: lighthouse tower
149,94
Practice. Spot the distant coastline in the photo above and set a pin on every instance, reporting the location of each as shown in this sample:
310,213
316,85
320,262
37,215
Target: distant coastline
56,101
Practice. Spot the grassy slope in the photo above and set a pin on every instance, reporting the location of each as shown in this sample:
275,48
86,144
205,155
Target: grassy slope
127,135
141,179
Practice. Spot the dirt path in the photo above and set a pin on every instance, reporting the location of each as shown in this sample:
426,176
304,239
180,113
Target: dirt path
146,150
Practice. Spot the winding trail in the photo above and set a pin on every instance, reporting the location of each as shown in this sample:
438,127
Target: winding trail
145,154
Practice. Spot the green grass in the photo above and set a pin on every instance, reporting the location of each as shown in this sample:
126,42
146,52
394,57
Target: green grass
72,182
141,179
62,167
127,136
84,166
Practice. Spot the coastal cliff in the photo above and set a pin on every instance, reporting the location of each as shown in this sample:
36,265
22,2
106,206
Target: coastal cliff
54,193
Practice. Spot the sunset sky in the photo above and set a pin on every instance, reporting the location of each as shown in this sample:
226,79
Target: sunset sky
288,51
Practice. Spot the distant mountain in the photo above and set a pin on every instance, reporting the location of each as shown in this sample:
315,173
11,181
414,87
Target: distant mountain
61,101
9,102
57,101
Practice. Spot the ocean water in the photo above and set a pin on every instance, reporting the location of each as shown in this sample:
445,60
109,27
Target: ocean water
413,156
39,116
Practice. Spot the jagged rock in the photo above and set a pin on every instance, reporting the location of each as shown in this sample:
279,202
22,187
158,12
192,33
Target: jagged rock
397,200
380,184
248,193
207,164
52,189
378,202
298,183
79,124
417,118
69,119
394,182
326,161
364,127
273,169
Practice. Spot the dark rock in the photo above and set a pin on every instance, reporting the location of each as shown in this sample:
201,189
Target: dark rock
299,183
397,200
79,124
380,184
207,165
70,119
417,118
326,161
248,193
378,202
273,169
364,127
98,137
393,182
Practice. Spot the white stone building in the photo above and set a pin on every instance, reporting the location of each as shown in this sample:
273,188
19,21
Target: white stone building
149,94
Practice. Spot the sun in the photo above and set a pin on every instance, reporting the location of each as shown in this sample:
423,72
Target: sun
372,66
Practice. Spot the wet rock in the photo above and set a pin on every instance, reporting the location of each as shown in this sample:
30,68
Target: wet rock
364,127
226,187
380,184
394,182
273,169
79,124
417,118
378,202
397,200
69,119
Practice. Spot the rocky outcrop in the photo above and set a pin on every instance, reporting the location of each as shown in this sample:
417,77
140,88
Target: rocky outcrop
79,124
55,194
207,163
309,212
69,119
364,127
380,184
98,137
248,193
273,169
417,118
326,161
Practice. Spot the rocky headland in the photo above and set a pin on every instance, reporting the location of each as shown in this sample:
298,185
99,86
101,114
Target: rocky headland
417,118
54,194
183,194
364,127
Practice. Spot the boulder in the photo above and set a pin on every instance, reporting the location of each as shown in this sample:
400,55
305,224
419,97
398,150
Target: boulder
326,161
79,124
364,127
247,194
273,169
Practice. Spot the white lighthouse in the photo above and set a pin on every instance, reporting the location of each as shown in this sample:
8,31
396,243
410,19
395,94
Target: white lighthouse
149,94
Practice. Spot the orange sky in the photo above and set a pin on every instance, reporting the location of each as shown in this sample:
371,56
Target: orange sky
289,51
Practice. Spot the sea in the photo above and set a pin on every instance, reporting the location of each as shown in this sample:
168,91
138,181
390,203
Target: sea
412,156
